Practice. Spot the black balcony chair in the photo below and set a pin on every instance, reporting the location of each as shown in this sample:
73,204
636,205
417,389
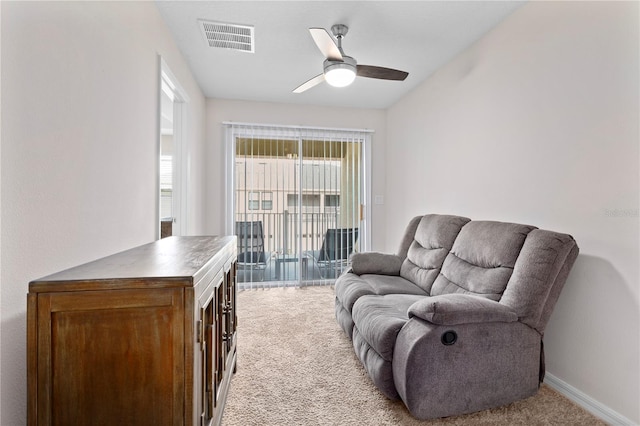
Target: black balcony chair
333,256
251,254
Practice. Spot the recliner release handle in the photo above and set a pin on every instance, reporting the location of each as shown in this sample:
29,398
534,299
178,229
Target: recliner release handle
449,337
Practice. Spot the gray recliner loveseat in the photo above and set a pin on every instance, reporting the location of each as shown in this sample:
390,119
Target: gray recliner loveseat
453,323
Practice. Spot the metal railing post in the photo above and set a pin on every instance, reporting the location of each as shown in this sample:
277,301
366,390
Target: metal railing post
285,232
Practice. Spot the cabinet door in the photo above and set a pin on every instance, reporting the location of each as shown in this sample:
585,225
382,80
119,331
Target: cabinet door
207,341
221,338
230,311
111,357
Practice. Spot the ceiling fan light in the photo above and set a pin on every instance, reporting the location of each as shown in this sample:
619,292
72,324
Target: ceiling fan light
340,77
340,74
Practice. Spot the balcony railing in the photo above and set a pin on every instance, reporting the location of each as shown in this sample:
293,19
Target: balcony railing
293,248
291,233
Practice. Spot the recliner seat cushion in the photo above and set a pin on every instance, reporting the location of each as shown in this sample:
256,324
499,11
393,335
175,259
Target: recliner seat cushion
482,259
378,320
350,287
344,319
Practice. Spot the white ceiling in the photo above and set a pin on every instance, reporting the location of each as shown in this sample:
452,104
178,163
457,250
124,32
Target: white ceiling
414,36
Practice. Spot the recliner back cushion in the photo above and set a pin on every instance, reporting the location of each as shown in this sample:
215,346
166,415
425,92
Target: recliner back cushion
433,239
482,259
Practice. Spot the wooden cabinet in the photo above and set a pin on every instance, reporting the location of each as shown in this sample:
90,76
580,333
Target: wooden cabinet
143,337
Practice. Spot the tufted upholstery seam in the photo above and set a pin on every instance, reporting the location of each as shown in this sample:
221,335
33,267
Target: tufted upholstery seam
427,268
428,248
478,266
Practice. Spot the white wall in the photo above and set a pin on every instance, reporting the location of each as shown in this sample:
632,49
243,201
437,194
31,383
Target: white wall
221,110
0,203
538,123
79,148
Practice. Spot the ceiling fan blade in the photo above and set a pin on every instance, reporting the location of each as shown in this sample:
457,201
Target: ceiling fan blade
309,84
325,43
381,73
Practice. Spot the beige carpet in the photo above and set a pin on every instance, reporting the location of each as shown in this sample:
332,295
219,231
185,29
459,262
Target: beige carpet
297,367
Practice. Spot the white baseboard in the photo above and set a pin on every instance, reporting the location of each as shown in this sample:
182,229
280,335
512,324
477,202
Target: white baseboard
585,401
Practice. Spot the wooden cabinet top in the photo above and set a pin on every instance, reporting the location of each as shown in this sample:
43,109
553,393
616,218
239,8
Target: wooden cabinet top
169,261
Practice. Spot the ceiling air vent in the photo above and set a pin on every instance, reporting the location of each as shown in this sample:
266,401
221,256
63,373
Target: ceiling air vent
228,36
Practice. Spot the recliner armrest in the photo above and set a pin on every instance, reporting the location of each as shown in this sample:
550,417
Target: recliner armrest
457,308
375,263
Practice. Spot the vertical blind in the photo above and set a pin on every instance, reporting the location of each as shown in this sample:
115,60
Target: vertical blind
297,197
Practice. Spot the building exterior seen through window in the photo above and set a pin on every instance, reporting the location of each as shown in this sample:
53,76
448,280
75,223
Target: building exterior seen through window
296,201
272,185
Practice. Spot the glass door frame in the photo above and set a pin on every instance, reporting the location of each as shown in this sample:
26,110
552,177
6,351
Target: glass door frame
235,130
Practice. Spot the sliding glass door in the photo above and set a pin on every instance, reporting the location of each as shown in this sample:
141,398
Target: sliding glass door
298,202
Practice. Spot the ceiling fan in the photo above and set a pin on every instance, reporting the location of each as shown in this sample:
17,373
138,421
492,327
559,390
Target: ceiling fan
340,70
